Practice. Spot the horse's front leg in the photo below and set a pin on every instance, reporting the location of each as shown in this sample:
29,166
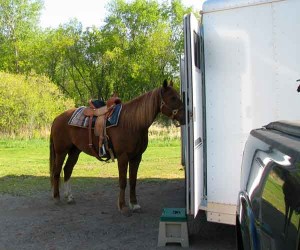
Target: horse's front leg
133,169
72,160
123,165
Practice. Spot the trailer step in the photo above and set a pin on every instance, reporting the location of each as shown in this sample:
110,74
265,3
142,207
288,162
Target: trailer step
173,227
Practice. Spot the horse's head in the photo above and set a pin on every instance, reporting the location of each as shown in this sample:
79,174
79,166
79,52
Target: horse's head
171,104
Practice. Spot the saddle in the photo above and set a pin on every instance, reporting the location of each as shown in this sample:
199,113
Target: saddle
102,113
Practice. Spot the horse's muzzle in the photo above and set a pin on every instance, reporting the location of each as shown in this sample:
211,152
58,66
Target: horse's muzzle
180,118
182,121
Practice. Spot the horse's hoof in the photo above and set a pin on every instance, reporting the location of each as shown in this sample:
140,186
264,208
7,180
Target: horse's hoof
135,208
126,211
71,200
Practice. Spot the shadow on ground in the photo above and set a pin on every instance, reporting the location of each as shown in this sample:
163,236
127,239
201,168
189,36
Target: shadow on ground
29,219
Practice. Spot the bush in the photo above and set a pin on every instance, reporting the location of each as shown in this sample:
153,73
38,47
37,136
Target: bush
28,105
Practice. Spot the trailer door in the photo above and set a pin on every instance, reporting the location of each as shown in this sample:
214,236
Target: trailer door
193,138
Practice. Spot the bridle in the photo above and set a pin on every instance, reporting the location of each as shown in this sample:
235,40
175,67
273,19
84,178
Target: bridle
174,112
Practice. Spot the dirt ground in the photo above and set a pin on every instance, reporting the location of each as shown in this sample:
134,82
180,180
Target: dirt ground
94,222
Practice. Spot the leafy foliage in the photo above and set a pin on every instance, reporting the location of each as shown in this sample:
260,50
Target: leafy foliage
29,104
138,47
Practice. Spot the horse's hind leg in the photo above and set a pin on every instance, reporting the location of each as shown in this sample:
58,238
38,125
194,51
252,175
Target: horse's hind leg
133,169
73,155
59,161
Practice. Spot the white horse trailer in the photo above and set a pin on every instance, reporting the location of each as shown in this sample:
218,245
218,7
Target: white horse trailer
239,72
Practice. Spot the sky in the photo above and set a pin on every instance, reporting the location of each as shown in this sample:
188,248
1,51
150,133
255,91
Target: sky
88,12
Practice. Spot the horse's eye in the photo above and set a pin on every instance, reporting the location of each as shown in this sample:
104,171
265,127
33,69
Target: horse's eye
173,99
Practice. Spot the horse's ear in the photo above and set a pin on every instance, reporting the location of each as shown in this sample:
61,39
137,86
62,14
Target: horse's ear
165,84
171,83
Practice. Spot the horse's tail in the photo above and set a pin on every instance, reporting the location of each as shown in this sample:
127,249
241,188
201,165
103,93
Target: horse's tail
52,160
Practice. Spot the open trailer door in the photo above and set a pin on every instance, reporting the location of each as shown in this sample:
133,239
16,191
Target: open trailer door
193,132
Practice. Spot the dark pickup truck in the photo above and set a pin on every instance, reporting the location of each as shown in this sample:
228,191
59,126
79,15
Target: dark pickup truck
268,210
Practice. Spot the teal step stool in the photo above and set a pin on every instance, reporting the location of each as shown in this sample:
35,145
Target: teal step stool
173,227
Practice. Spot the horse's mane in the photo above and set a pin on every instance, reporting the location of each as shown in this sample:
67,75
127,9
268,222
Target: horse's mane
140,112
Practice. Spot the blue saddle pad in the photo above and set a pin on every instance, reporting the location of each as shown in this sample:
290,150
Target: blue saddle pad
114,118
78,119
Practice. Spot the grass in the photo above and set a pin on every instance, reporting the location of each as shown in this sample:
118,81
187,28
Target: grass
273,194
24,165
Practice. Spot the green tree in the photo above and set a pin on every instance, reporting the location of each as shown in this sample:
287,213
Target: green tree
77,62
19,21
133,53
144,34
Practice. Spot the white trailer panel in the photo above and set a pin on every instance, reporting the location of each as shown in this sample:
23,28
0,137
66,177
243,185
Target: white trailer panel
252,62
250,81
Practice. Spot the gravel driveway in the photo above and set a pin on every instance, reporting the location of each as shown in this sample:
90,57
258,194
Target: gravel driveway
94,222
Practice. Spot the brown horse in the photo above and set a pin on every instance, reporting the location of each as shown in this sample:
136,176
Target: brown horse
129,139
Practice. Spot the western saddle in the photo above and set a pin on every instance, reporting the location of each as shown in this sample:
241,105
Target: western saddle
101,114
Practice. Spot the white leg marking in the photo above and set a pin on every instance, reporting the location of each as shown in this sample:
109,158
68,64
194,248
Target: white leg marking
68,193
134,207
67,188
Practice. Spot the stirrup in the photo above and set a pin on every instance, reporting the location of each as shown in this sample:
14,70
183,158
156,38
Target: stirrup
102,151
